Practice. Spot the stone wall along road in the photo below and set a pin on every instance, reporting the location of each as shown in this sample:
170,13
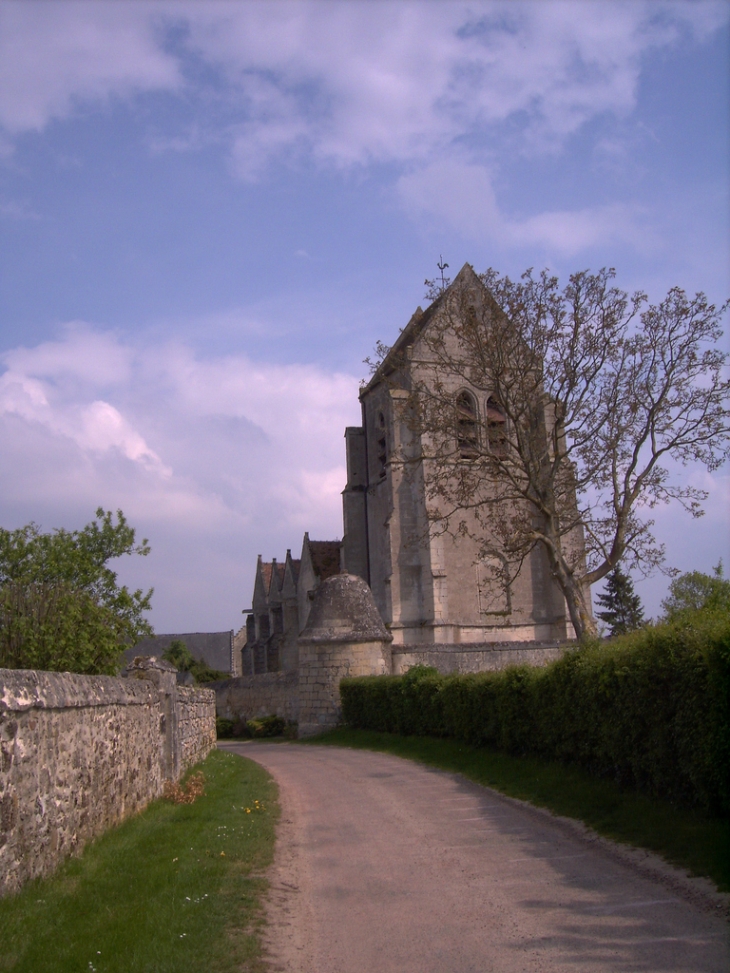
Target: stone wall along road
385,866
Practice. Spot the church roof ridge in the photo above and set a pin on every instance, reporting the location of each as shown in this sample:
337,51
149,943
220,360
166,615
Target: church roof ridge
418,321
325,558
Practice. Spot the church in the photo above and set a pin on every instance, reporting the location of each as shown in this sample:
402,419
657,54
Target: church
432,587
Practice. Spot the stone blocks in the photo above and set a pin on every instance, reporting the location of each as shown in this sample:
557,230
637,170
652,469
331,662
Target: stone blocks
78,754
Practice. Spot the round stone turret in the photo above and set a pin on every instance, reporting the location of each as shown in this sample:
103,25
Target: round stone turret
343,610
344,636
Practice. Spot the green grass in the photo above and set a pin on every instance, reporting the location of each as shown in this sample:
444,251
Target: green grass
689,839
176,889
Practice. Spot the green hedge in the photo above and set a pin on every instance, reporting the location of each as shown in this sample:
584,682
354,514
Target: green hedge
650,710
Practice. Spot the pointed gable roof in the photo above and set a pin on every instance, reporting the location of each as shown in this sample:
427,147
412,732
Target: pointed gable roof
320,558
261,585
325,558
291,575
466,278
276,578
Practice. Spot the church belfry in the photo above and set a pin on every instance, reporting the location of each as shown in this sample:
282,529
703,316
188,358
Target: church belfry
430,586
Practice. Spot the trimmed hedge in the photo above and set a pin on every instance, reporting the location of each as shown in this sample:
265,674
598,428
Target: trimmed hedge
650,710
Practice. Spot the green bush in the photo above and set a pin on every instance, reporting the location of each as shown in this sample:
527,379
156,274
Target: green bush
650,710
223,728
179,655
55,627
266,726
61,607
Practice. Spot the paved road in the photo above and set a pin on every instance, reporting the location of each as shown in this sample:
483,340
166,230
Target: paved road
384,866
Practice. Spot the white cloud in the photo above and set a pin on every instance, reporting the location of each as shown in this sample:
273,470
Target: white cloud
349,83
81,355
215,460
570,231
383,81
97,426
56,56
462,195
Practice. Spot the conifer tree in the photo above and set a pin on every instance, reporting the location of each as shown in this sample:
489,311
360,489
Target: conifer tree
623,611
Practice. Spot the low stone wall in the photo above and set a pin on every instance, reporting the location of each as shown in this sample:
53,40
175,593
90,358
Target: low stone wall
78,754
195,724
479,657
309,696
270,693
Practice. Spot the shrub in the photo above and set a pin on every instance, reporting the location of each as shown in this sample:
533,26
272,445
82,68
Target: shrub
266,726
223,728
61,607
650,710
179,655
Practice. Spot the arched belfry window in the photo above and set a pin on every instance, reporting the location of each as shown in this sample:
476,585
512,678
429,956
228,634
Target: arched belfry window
496,428
467,426
382,446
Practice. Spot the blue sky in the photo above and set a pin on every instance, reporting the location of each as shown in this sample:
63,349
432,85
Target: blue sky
209,213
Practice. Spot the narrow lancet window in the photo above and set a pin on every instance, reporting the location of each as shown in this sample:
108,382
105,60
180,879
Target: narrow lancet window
496,428
382,446
467,429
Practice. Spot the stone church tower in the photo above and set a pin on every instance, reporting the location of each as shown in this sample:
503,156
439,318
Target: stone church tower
429,587
431,590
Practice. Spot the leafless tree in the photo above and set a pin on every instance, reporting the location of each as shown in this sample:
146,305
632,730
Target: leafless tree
590,393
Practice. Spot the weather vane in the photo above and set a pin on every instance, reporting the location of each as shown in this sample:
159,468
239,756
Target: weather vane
442,267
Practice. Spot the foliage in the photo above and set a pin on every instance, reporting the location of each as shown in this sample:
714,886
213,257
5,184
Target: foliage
155,895
178,654
591,394
650,710
60,605
266,726
697,592
260,726
224,728
623,611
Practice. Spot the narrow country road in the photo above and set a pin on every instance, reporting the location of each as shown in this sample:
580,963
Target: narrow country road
384,865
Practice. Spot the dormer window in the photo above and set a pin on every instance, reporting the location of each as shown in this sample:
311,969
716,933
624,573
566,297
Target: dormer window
467,428
382,446
496,429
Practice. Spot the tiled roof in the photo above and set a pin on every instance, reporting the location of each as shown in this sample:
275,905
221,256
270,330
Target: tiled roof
275,578
212,647
325,558
266,574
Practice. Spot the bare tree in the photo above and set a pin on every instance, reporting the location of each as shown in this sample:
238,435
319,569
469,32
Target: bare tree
590,392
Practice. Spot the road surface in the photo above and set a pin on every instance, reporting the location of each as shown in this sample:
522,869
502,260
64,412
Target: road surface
385,866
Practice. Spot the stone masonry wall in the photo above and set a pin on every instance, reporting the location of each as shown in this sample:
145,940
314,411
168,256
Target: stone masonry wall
322,666
78,754
195,724
479,657
310,696
270,693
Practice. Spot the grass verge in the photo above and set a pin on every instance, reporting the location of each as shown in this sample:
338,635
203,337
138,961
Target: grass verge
176,889
686,838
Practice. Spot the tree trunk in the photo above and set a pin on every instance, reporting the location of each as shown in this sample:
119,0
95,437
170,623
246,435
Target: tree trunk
579,611
575,600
